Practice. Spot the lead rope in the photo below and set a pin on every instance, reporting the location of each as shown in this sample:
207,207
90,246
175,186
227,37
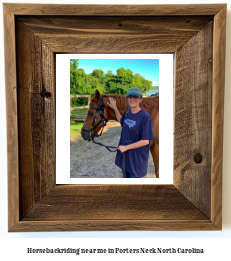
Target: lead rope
108,148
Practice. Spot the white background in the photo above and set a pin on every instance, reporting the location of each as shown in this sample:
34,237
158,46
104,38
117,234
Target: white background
215,244
63,119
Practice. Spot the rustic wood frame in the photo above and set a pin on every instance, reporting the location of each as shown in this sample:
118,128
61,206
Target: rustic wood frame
33,34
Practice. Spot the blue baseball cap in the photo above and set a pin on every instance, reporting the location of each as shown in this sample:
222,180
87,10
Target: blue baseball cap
135,90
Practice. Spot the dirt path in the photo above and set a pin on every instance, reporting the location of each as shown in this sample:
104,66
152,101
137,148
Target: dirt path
89,160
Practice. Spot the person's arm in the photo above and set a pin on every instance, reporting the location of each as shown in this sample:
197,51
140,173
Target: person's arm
118,115
133,146
112,104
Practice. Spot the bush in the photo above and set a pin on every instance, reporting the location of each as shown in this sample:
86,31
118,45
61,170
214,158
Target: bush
81,101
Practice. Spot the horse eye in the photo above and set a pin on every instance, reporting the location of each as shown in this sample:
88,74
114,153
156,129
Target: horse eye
90,113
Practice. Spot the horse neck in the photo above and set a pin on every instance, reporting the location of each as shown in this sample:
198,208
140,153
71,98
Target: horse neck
121,104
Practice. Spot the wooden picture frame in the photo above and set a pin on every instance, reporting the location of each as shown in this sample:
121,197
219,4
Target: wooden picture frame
33,34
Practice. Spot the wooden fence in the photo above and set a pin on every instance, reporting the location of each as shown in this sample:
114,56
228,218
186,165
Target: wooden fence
79,117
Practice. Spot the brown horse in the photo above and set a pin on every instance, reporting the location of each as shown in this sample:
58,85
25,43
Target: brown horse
149,104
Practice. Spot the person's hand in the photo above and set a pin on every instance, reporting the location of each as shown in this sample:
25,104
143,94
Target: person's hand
112,103
122,148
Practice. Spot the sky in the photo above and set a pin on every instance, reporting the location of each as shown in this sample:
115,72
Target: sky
148,68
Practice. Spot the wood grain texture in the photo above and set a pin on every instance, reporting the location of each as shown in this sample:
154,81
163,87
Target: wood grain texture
11,116
191,203
114,225
77,25
111,207
115,34
193,126
115,10
113,202
35,66
218,114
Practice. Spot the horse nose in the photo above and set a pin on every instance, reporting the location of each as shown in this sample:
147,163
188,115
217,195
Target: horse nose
84,135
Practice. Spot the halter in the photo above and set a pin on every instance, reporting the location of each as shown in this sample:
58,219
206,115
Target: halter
100,109
92,135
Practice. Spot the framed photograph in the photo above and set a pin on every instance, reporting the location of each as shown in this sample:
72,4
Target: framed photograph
83,162
34,35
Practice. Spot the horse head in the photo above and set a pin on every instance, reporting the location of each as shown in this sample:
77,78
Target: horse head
96,118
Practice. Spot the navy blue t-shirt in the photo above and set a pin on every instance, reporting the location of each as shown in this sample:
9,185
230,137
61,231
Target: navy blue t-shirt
135,127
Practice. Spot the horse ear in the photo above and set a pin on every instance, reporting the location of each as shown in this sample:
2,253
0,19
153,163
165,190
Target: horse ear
97,95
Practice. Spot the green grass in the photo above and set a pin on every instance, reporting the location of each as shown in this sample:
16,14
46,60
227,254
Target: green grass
79,111
75,128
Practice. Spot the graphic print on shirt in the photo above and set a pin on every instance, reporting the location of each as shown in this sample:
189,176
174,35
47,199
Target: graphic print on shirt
130,123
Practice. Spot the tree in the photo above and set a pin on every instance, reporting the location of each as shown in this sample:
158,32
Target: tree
94,83
137,80
73,75
75,63
124,80
110,82
141,82
98,73
109,74
82,83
